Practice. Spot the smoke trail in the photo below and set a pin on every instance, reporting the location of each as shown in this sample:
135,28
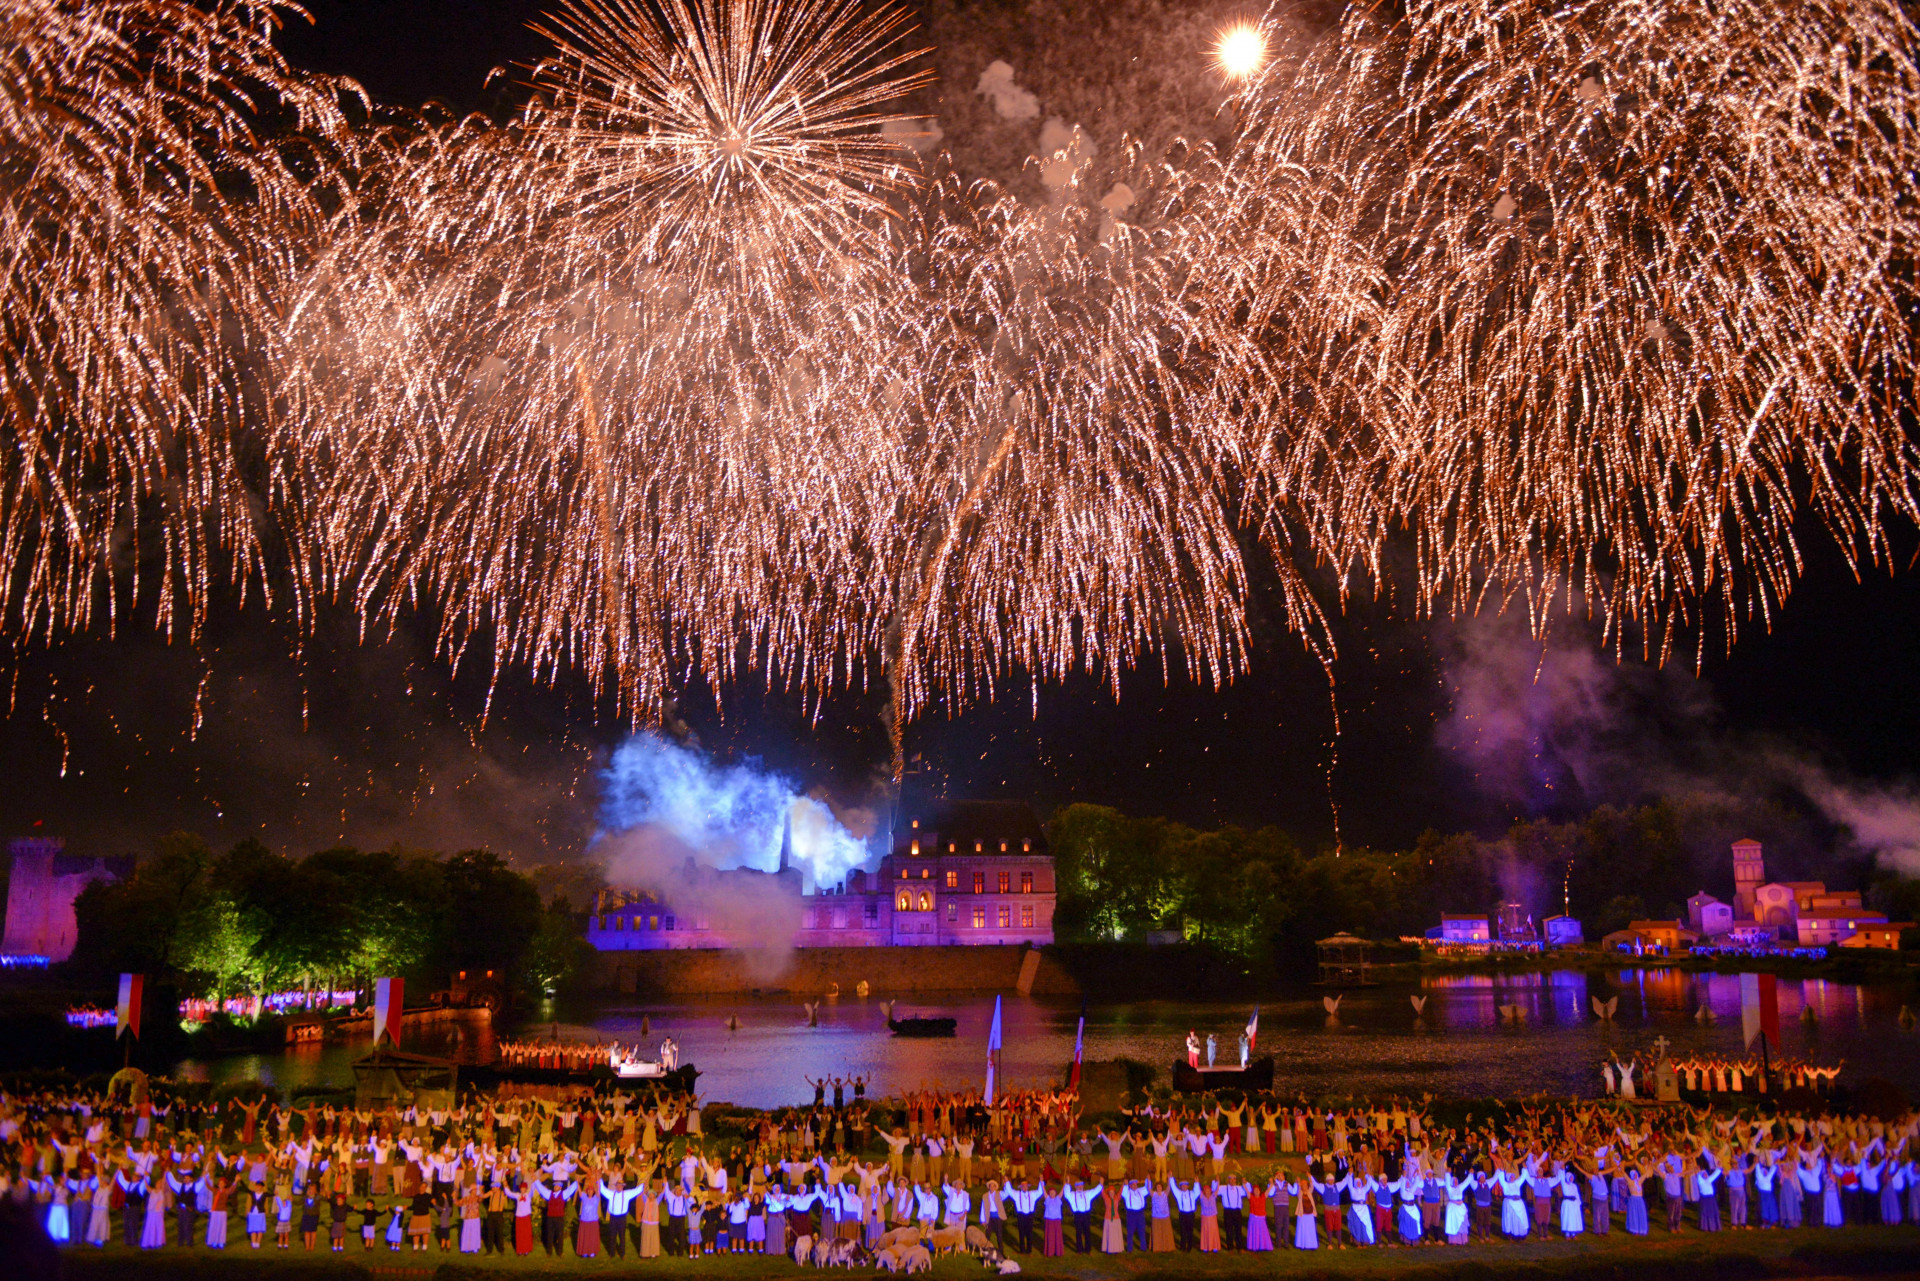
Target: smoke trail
660,796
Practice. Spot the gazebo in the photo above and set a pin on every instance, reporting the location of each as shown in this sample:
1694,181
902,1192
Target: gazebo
1343,961
390,1077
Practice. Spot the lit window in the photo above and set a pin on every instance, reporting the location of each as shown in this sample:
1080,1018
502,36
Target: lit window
916,849
979,918
976,847
916,823
950,847
979,882
926,901
621,922
602,925
1003,847
1006,881
1026,882
1006,917
926,873
653,923
953,912
1026,847
1026,918
906,902
903,873
953,879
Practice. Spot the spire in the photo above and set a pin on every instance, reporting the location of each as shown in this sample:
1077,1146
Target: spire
786,841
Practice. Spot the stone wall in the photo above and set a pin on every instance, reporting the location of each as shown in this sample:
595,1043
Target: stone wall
888,971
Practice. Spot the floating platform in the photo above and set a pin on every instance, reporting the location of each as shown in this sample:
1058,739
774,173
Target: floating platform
1257,1075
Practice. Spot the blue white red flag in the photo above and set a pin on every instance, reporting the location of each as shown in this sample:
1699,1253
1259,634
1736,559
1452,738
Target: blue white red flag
1253,1029
127,1012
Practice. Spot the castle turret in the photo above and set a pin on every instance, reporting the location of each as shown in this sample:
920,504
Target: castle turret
1749,874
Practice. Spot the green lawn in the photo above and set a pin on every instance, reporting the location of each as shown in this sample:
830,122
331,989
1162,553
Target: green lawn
1731,1256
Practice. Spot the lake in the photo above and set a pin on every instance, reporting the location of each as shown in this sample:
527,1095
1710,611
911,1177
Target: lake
1459,1047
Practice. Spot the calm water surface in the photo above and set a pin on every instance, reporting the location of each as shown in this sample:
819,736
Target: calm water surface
1458,1047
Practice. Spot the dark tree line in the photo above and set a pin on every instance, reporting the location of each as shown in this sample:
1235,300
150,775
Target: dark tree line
251,921
1256,895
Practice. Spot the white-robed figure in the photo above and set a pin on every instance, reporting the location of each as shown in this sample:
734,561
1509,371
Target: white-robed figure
1568,1184
1626,1078
1246,1054
1454,1224
1513,1204
1360,1186
1213,1048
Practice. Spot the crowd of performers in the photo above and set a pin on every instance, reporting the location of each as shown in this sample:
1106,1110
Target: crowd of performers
1714,1074
575,1172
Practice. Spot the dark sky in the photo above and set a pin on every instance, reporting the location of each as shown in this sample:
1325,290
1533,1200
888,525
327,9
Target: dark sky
376,742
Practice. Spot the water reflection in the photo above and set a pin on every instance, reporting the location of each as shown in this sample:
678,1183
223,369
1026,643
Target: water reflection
1459,1045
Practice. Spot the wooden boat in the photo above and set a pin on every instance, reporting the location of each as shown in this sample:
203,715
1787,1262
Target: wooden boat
1257,1075
922,1026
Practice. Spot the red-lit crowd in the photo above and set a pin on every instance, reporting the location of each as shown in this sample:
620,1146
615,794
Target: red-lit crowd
609,1173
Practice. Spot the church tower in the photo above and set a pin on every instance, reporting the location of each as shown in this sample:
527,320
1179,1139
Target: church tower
1749,874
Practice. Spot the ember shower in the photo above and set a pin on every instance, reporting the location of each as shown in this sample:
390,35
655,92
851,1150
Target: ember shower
696,357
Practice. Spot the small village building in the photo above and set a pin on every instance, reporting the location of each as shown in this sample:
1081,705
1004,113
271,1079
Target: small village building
1828,926
1708,916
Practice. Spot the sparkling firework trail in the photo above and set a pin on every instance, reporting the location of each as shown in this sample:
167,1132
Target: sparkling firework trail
691,367
160,167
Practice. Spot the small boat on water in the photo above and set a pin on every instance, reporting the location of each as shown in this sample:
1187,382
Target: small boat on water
912,1026
1257,1075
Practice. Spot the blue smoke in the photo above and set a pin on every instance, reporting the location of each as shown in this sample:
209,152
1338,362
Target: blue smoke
725,816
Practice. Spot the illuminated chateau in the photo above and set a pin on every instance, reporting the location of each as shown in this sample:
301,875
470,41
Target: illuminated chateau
963,873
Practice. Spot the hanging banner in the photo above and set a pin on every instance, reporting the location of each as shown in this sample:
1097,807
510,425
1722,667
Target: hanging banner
1760,1008
388,1000
993,1052
127,1015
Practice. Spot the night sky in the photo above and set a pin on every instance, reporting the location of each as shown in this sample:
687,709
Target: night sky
377,741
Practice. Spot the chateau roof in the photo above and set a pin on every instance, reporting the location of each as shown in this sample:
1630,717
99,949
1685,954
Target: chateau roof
989,822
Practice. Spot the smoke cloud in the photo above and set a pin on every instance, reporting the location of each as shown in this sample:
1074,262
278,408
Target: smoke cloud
660,796
1552,727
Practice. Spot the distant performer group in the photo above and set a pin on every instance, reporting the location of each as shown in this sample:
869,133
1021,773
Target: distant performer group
895,1183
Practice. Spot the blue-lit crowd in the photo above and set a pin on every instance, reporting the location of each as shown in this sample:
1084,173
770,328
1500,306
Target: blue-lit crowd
577,1173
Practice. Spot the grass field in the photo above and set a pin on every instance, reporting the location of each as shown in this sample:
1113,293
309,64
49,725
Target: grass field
1688,1256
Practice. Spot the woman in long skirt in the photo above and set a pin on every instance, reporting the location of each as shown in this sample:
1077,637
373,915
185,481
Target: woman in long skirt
776,1222
1053,1243
1708,1184
153,1233
1636,1203
1831,1214
59,1222
1209,1223
1571,1222
99,1228
1160,1239
649,1224
586,1240
1259,1239
1453,1223
1113,1235
470,1220
522,1221
217,1214
1306,1214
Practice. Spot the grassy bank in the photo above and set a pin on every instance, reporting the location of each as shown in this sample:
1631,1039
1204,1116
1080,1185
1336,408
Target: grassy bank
1731,1256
